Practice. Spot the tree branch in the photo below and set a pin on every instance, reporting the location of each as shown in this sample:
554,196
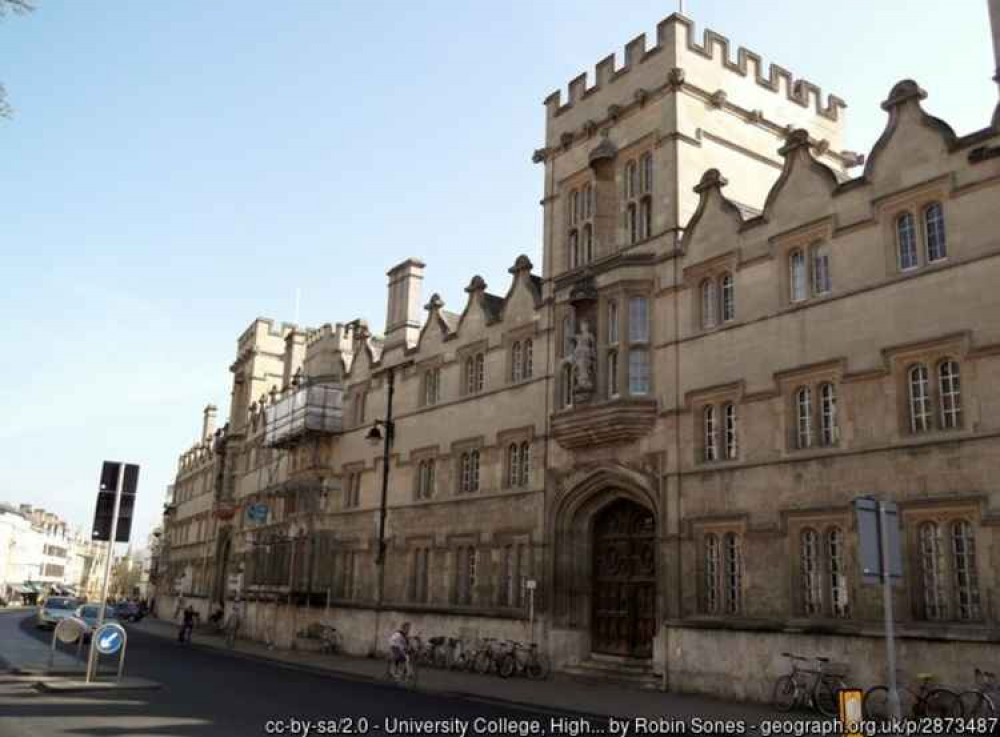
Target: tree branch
15,6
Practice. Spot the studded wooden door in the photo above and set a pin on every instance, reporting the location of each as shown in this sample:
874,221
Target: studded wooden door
624,591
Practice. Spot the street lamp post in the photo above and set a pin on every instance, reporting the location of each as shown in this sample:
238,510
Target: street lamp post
374,435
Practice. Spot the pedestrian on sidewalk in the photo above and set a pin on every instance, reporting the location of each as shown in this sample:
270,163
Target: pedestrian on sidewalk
187,626
233,625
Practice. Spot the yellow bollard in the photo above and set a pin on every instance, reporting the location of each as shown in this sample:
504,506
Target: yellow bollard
850,700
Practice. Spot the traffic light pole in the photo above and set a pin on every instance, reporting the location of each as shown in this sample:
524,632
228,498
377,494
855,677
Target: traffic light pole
92,654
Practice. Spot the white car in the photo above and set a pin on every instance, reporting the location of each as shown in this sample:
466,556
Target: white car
55,609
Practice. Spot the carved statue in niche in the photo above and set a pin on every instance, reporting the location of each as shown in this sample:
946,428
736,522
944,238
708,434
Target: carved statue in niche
582,359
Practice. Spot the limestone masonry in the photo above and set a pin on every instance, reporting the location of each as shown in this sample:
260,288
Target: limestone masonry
737,328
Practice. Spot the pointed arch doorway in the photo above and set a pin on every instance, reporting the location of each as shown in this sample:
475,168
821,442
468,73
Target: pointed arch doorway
623,580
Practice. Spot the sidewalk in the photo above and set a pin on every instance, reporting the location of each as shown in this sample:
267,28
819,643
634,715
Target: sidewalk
558,693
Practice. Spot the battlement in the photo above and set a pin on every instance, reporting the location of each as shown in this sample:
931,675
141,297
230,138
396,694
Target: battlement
647,70
262,328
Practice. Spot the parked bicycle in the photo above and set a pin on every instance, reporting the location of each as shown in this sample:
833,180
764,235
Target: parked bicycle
981,700
330,639
488,658
523,660
815,687
926,700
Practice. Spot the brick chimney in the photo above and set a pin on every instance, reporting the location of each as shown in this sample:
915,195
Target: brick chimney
402,320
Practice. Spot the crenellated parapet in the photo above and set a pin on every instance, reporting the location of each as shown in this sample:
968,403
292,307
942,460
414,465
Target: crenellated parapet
711,65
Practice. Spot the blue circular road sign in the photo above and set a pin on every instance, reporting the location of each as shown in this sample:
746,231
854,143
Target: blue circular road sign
109,639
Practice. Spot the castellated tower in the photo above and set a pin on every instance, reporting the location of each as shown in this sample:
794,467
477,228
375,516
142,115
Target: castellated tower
624,152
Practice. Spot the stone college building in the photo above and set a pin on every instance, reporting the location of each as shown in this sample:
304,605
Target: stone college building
642,452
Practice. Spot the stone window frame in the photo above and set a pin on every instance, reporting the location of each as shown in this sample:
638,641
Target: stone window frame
716,596
630,345
509,584
812,379
566,321
637,193
581,215
475,450
353,481
420,555
430,373
359,403
475,383
915,202
709,412
949,589
931,355
808,242
512,445
466,575
711,276
421,459
520,367
829,579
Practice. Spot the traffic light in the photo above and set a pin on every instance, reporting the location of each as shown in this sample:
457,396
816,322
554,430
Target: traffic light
104,513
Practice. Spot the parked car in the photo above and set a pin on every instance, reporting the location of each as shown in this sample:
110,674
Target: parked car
54,609
128,611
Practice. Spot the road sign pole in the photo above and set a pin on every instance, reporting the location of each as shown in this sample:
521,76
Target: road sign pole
107,570
890,638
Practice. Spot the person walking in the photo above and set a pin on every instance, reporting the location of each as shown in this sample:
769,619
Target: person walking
233,625
187,625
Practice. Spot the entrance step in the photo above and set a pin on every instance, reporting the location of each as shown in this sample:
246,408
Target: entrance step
632,672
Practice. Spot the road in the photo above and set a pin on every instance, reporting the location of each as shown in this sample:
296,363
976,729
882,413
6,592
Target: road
213,694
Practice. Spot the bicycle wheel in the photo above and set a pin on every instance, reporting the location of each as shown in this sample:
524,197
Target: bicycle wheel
976,704
875,705
786,693
537,668
507,666
942,702
483,662
825,695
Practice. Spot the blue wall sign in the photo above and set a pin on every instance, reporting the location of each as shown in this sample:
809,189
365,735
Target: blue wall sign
257,512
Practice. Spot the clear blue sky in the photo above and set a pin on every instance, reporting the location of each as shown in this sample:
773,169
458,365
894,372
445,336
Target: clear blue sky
176,169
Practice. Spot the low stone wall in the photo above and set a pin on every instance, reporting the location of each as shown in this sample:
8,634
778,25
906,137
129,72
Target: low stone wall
363,631
168,607
744,665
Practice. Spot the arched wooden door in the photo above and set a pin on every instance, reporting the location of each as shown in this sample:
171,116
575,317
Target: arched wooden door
624,584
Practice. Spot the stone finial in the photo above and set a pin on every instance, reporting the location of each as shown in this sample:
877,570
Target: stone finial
590,128
539,155
274,394
903,92
297,377
755,116
566,139
522,263
822,147
614,112
435,302
711,179
797,139
478,284
641,96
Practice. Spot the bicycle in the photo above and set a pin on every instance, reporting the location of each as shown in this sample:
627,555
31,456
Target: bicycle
981,700
524,660
926,701
402,672
816,687
488,658
330,639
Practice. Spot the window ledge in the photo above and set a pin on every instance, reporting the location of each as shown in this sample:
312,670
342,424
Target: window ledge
941,632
